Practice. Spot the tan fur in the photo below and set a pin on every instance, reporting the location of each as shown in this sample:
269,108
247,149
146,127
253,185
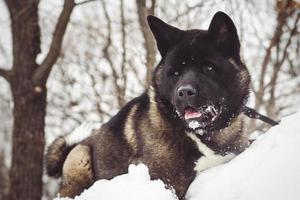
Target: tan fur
233,135
158,125
129,131
153,139
236,66
149,125
244,76
154,115
77,171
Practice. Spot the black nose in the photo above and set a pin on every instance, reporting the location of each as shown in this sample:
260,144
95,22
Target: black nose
185,92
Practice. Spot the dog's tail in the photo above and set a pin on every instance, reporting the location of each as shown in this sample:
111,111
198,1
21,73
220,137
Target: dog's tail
59,149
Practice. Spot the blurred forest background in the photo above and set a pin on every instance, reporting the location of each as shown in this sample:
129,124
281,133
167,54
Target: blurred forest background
64,62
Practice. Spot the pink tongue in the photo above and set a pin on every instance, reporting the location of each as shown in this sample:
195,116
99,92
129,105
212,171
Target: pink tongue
190,113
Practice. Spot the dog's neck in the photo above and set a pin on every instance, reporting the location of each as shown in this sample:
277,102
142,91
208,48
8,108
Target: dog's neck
231,139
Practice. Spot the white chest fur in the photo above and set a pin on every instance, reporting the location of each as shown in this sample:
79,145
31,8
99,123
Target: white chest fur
209,158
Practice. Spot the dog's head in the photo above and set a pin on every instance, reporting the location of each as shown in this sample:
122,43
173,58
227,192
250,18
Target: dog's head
201,75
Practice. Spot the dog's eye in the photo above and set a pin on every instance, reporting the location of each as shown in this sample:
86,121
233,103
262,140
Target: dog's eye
175,73
208,69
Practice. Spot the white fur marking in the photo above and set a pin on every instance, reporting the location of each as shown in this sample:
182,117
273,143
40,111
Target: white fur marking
209,158
82,132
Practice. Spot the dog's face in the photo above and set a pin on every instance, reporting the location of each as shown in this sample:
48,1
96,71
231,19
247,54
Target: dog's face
201,75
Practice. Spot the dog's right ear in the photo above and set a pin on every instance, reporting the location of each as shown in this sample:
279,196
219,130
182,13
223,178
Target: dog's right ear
166,35
224,33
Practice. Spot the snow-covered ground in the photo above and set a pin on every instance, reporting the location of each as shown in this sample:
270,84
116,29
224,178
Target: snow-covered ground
136,185
268,169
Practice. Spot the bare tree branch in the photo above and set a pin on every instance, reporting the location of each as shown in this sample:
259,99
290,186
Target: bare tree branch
283,13
135,72
124,53
120,91
277,68
99,98
6,74
41,74
149,43
84,2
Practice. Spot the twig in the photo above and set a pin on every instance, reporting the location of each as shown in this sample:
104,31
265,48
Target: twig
149,43
84,2
281,21
5,74
118,89
278,65
124,50
41,74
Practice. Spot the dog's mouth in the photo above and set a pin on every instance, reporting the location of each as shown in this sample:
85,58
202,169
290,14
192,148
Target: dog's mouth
201,117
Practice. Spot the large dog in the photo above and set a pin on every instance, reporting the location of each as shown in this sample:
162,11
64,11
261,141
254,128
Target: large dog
189,119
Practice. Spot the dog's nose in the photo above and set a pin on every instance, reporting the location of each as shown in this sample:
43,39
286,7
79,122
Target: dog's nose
185,92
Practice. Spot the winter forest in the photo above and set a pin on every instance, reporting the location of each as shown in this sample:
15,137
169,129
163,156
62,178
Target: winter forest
63,62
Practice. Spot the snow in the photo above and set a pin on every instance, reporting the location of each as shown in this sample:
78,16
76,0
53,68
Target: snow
134,185
268,169
81,132
194,124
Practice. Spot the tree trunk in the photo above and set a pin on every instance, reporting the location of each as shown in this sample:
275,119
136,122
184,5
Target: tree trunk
28,141
28,84
4,179
29,104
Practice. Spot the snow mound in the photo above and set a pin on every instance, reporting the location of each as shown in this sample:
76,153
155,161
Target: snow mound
135,185
268,169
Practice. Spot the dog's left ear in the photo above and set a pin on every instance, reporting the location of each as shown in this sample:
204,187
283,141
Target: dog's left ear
224,34
166,35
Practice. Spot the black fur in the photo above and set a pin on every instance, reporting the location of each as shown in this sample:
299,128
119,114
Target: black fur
116,123
201,74
55,157
190,53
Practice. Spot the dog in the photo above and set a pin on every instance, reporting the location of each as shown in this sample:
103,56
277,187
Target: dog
189,119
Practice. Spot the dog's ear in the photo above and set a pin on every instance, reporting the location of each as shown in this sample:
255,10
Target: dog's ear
166,35
223,32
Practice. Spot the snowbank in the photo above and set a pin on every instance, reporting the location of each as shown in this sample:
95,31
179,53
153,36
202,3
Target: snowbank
136,185
269,169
